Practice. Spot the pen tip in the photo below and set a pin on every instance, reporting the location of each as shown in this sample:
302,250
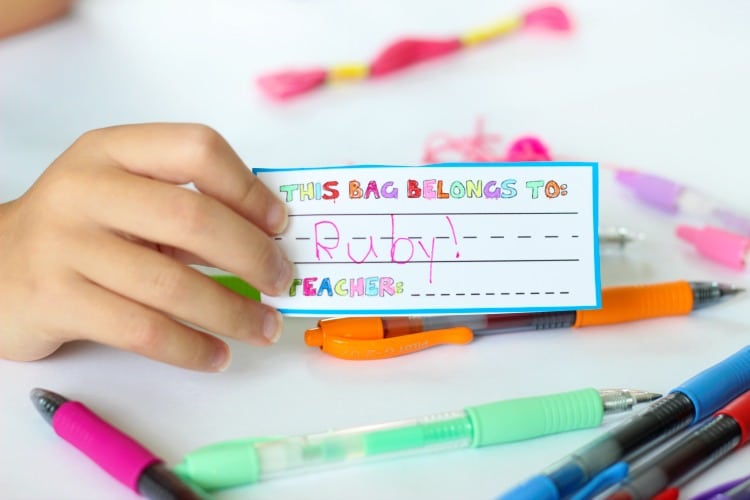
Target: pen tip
729,290
645,396
619,400
46,402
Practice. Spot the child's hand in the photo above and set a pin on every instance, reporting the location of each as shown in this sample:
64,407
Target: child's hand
97,249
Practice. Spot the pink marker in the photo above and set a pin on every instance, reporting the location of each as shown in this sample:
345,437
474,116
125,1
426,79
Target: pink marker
717,244
112,450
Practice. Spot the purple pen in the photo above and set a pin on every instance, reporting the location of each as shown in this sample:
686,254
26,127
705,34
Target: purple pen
723,491
739,492
672,197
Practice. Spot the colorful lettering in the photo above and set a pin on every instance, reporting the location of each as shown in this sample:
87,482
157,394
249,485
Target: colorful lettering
534,186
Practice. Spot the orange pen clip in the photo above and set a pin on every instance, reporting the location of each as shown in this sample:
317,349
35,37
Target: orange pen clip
365,338
378,338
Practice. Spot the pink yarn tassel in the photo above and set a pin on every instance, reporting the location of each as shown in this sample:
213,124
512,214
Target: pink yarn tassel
409,51
548,18
286,84
481,147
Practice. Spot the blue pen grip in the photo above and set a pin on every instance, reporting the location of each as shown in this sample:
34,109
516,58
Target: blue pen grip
714,387
539,487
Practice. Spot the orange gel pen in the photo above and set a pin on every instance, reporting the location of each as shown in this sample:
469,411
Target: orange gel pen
361,338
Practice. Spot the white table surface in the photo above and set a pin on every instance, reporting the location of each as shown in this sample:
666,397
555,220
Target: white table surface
657,86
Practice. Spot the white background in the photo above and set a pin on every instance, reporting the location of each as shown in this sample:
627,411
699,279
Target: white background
657,86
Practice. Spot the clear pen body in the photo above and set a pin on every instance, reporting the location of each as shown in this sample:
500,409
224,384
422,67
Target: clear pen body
431,433
641,432
480,324
680,462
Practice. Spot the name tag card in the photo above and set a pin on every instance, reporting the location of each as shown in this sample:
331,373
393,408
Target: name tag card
439,239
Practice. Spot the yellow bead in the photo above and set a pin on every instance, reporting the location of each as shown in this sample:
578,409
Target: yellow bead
486,33
344,72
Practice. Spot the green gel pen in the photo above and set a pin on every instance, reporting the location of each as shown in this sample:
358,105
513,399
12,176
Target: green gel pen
237,285
245,461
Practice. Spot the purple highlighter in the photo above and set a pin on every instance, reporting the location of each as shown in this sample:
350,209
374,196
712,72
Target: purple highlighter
115,452
671,197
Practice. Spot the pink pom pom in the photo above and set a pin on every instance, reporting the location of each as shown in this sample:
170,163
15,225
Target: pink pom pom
408,51
288,84
528,149
549,18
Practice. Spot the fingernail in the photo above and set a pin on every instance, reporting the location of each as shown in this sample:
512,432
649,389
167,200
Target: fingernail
284,281
222,358
277,218
272,325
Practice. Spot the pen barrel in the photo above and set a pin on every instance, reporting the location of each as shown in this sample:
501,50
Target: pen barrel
522,322
631,303
114,451
526,418
740,491
237,285
234,463
683,459
312,452
718,385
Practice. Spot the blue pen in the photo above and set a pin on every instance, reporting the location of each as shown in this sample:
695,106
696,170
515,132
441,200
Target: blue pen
694,400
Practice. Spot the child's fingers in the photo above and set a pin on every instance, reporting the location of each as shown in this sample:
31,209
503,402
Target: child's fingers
164,284
181,218
97,314
183,153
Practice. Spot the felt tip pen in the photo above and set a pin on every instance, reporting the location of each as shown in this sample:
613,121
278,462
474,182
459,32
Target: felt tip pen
687,404
669,196
681,460
112,450
361,338
247,461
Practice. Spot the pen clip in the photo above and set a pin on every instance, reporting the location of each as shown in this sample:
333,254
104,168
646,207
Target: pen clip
363,349
602,481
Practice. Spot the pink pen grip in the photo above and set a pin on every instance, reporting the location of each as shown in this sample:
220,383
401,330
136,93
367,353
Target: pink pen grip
114,451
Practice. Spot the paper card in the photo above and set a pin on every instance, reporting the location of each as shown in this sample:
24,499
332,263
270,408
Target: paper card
439,239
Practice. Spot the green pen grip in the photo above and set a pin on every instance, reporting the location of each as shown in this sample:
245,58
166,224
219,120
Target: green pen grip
237,285
526,418
222,465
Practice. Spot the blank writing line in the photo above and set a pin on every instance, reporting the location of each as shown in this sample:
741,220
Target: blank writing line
467,237
478,261
462,294
431,214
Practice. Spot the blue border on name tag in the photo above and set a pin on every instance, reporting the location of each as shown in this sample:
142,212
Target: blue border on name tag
594,166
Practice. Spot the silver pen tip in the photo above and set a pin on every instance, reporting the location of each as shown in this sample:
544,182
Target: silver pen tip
644,396
619,400
732,290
